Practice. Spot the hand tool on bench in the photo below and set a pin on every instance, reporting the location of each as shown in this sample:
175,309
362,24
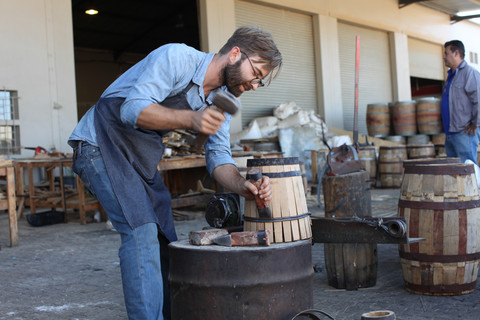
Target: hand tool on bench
223,101
38,150
244,238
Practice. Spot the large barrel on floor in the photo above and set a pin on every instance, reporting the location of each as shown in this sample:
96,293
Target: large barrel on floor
290,217
378,119
429,116
217,283
441,203
390,165
404,118
349,265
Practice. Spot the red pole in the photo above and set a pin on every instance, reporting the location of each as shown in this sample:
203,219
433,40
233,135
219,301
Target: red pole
355,119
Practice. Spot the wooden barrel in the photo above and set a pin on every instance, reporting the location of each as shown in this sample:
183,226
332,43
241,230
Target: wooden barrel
429,116
291,219
441,203
418,139
390,165
438,138
368,157
404,118
378,120
397,139
440,151
349,265
236,283
421,151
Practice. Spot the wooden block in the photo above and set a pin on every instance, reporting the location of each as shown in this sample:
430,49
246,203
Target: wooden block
204,237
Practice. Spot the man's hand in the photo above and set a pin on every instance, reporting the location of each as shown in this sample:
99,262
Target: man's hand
207,121
471,129
265,191
157,117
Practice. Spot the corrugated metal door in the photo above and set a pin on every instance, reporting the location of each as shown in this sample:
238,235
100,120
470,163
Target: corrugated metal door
425,59
375,80
293,34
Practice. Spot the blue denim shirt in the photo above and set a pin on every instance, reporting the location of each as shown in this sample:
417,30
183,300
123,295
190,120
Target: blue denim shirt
165,72
464,98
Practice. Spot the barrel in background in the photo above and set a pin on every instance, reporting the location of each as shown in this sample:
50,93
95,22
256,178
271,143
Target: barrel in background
404,118
441,203
429,116
291,219
378,119
418,139
390,165
397,139
421,151
368,156
349,265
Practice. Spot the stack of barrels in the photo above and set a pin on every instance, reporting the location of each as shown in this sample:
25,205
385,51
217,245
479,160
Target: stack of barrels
415,126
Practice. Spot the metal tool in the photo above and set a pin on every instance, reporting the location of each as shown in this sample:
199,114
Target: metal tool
361,230
223,101
254,175
244,238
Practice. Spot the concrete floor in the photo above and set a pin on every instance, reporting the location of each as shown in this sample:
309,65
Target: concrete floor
71,271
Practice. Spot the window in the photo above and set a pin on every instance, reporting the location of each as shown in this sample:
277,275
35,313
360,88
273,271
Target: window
473,57
9,130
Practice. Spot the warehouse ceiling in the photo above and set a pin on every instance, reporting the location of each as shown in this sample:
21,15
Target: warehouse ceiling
457,9
134,26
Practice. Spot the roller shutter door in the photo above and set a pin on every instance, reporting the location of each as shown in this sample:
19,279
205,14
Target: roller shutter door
425,59
293,34
375,81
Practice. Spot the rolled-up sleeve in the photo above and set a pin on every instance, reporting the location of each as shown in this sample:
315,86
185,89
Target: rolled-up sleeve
217,147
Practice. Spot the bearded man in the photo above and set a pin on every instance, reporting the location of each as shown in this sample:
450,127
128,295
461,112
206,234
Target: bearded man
118,144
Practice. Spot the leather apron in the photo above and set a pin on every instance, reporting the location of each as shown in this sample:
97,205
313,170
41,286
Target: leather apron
131,156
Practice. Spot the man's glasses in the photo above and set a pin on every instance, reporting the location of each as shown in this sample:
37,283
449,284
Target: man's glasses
257,79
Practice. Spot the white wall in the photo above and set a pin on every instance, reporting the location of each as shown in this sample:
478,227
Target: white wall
36,59
218,21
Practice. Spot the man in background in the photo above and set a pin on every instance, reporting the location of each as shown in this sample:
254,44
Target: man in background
460,103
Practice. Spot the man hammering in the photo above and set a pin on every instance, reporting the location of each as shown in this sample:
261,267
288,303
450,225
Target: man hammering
118,144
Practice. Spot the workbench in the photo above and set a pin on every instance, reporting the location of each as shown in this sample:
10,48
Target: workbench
55,196
181,175
7,171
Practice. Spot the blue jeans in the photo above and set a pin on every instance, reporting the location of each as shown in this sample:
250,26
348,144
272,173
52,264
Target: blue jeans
462,145
143,252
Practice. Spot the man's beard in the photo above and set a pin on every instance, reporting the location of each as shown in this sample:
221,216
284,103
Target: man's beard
232,78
